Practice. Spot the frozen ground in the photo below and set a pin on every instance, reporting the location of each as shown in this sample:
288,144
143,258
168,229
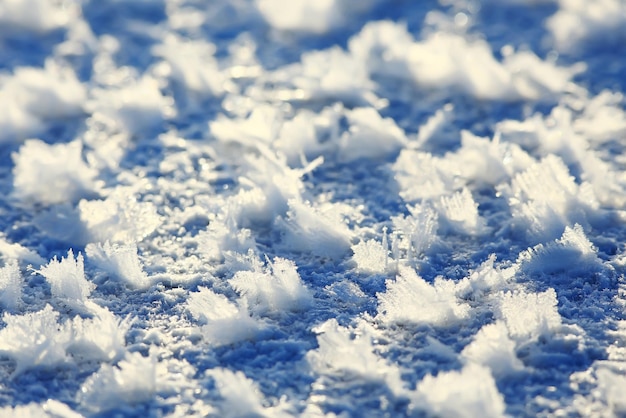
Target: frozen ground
327,208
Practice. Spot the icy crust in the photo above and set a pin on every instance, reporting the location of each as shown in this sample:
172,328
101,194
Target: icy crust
233,208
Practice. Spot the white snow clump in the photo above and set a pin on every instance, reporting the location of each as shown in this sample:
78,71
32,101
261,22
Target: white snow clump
467,393
242,397
118,218
580,21
50,174
450,61
276,287
11,282
222,322
67,280
410,299
492,347
37,16
350,353
121,261
34,96
529,315
37,339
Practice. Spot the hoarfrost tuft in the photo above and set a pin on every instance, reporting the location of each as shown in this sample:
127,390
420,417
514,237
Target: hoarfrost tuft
470,392
121,261
11,282
222,321
409,299
350,352
50,174
274,288
67,280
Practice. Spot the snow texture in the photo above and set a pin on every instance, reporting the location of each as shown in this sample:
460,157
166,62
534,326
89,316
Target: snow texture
327,208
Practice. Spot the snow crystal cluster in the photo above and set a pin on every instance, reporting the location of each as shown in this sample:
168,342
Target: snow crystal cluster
312,208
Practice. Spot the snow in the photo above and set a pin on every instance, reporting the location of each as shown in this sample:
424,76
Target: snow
277,287
222,321
67,279
410,299
10,286
312,208
121,261
74,178
469,392
133,380
577,22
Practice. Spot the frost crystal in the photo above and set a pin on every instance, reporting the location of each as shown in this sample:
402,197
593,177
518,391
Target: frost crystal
242,397
470,392
546,198
132,381
529,315
414,234
10,286
409,299
350,352
34,339
37,339
370,136
492,347
317,230
67,279
370,256
50,174
101,338
461,213
222,321
120,261
276,287
118,218
572,254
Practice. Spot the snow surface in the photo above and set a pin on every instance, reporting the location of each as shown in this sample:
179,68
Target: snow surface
325,208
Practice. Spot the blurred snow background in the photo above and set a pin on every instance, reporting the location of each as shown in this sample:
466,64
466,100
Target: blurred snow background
312,208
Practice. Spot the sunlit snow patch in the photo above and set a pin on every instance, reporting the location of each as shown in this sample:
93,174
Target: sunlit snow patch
350,352
545,198
49,174
410,299
276,287
222,322
120,261
67,280
450,61
11,282
241,396
470,392
577,22
37,339
34,96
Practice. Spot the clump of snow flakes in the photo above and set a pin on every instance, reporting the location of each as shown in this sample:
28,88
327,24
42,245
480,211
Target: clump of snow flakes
276,287
67,279
470,392
223,322
10,286
410,299
350,352
49,174
121,261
